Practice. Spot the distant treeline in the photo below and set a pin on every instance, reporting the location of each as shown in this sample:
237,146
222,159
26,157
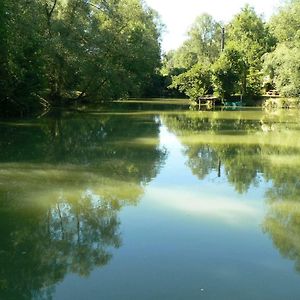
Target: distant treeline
258,56
56,50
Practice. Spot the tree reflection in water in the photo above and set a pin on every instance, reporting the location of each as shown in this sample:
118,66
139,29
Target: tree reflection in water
63,181
40,246
282,221
246,148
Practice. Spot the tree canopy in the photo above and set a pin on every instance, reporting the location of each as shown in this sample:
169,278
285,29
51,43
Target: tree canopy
54,51
255,52
58,49
283,64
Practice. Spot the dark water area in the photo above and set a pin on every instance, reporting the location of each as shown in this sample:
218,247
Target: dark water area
144,200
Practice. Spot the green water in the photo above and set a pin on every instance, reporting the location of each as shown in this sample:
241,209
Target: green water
150,201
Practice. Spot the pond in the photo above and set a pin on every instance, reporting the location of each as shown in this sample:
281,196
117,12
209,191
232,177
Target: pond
150,200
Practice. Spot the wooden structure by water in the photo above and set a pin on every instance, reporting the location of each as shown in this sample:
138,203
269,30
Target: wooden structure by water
273,93
209,101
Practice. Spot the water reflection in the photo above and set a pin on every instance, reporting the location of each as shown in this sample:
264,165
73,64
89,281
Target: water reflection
63,180
245,149
40,245
282,221
236,144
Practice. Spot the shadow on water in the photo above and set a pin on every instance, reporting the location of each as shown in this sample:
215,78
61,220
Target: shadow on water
63,180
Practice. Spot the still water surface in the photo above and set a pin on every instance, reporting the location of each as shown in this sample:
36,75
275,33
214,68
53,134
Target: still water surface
150,201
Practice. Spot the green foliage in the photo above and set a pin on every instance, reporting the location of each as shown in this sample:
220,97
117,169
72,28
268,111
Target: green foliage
56,49
203,45
283,65
229,73
238,69
195,82
285,24
204,42
21,62
251,37
272,104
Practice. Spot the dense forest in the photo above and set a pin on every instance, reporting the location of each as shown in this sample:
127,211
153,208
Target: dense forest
246,57
55,52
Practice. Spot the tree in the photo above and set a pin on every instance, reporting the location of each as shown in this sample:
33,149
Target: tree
57,50
21,61
229,73
205,39
283,67
239,69
285,24
195,82
251,37
203,45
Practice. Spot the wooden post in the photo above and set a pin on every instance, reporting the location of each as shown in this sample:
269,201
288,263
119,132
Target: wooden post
223,39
